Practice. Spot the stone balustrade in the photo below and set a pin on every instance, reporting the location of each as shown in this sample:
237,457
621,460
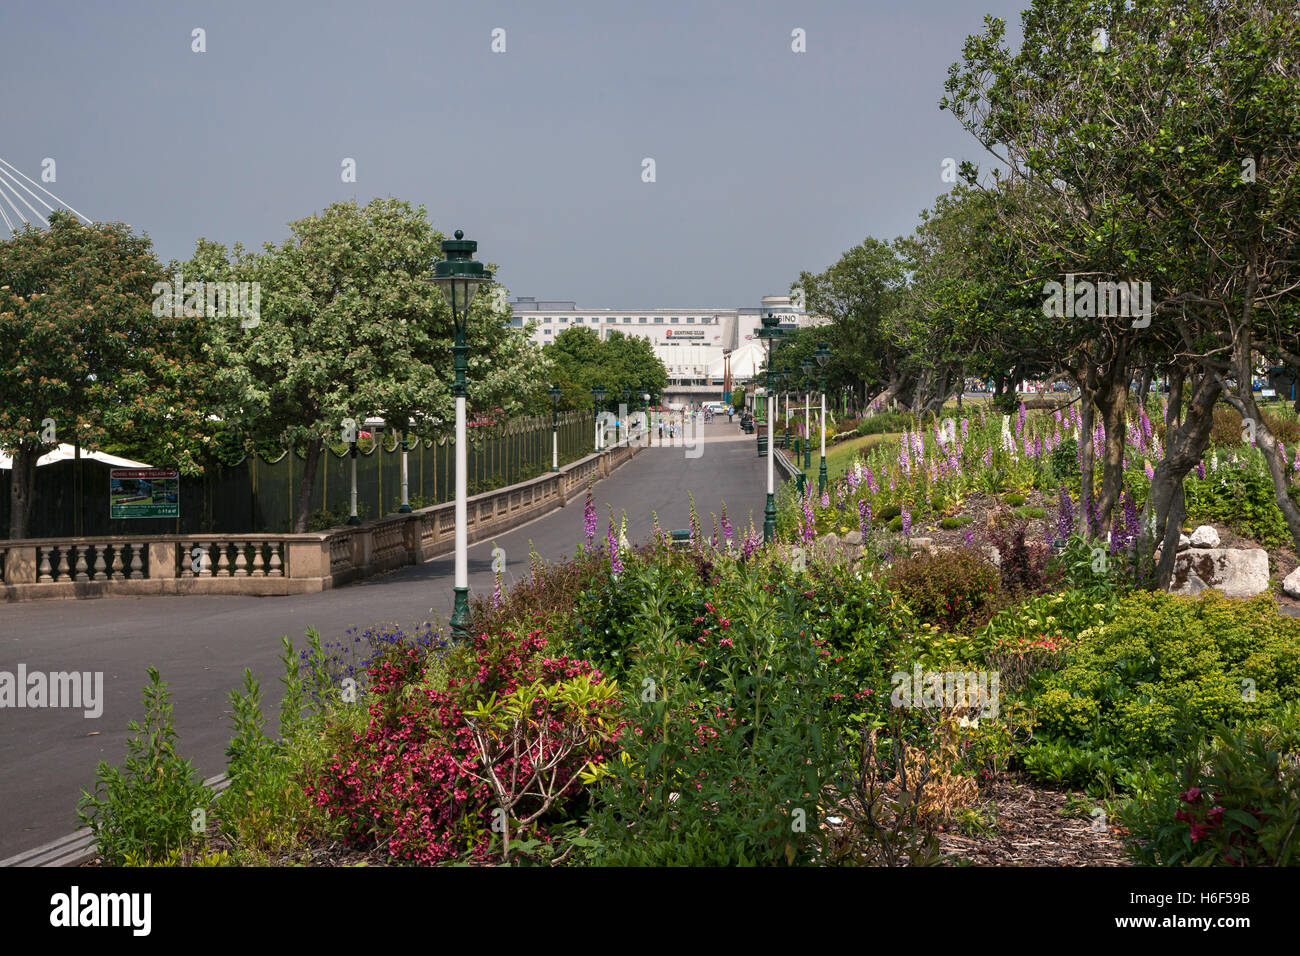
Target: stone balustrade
271,564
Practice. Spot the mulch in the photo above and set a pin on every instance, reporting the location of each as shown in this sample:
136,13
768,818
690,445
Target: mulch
1033,829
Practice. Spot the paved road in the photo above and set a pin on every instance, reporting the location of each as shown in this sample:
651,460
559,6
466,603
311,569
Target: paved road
202,644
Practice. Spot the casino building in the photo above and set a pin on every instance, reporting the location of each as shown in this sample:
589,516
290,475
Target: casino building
697,346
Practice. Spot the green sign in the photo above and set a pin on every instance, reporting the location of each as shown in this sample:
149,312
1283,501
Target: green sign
144,493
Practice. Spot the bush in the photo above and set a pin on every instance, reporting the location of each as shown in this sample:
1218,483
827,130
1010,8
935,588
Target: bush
413,782
1234,802
1025,567
1239,494
954,521
726,754
149,807
1167,669
1064,460
609,617
957,590
1227,427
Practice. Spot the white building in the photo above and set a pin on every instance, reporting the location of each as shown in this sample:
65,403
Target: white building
692,343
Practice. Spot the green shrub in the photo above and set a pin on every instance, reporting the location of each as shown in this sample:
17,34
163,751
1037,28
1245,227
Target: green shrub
1063,462
954,521
957,590
609,616
1031,512
725,757
1166,669
153,804
1239,494
896,524
1014,499
1234,802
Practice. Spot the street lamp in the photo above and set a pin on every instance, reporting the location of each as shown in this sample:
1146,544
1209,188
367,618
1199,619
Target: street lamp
823,355
787,381
769,334
622,414
555,393
807,366
406,501
459,276
598,399
645,402
352,518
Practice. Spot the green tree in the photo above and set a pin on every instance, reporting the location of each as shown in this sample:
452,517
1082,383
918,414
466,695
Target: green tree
86,358
351,326
1155,141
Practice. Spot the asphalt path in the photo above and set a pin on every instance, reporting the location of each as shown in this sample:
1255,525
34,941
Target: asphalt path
201,645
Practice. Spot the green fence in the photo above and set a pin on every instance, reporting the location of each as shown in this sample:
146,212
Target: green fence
257,495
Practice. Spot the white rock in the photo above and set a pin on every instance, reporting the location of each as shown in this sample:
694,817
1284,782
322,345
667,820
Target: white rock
853,537
1184,542
994,556
1236,572
1291,583
1205,537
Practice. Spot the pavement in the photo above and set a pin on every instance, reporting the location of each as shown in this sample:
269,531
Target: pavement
201,645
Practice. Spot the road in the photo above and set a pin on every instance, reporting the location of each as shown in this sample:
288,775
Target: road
201,645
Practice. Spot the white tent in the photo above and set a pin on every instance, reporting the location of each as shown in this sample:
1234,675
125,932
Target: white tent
69,452
745,362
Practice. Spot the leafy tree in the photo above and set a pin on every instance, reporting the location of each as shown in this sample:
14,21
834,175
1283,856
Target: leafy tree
583,360
1126,129
352,326
858,294
85,352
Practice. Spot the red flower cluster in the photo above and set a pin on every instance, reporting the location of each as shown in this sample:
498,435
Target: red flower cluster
408,781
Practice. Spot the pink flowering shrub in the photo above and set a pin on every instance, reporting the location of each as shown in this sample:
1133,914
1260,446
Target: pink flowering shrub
411,782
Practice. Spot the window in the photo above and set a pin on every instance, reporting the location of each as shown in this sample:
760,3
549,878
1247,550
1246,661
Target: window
564,320
627,318
659,320
689,321
547,320
641,320
611,319
675,320
578,319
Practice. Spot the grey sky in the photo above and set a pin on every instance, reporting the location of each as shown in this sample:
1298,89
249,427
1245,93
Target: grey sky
767,161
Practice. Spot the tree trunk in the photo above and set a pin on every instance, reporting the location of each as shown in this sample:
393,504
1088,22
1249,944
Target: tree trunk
22,487
1185,444
302,507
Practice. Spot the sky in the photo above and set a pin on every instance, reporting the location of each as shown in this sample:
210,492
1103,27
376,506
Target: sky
766,161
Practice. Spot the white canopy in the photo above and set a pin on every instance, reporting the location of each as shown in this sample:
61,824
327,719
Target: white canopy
745,362
69,452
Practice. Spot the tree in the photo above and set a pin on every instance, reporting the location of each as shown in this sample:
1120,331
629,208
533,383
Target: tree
858,294
583,360
352,326
1126,130
88,360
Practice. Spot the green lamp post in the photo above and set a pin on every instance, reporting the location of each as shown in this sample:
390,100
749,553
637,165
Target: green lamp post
622,414
353,519
555,393
406,501
598,400
783,383
807,366
459,276
823,355
769,334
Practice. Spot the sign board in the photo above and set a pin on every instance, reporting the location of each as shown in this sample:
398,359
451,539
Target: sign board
144,493
1268,393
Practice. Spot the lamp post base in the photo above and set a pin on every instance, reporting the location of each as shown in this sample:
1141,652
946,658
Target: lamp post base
354,520
460,616
821,478
404,510
769,519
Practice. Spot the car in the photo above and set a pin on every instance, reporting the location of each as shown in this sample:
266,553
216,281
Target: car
717,408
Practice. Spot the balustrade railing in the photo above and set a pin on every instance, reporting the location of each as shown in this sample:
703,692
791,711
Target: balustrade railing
278,563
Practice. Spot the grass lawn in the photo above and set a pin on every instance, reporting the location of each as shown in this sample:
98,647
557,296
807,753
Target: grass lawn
838,456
